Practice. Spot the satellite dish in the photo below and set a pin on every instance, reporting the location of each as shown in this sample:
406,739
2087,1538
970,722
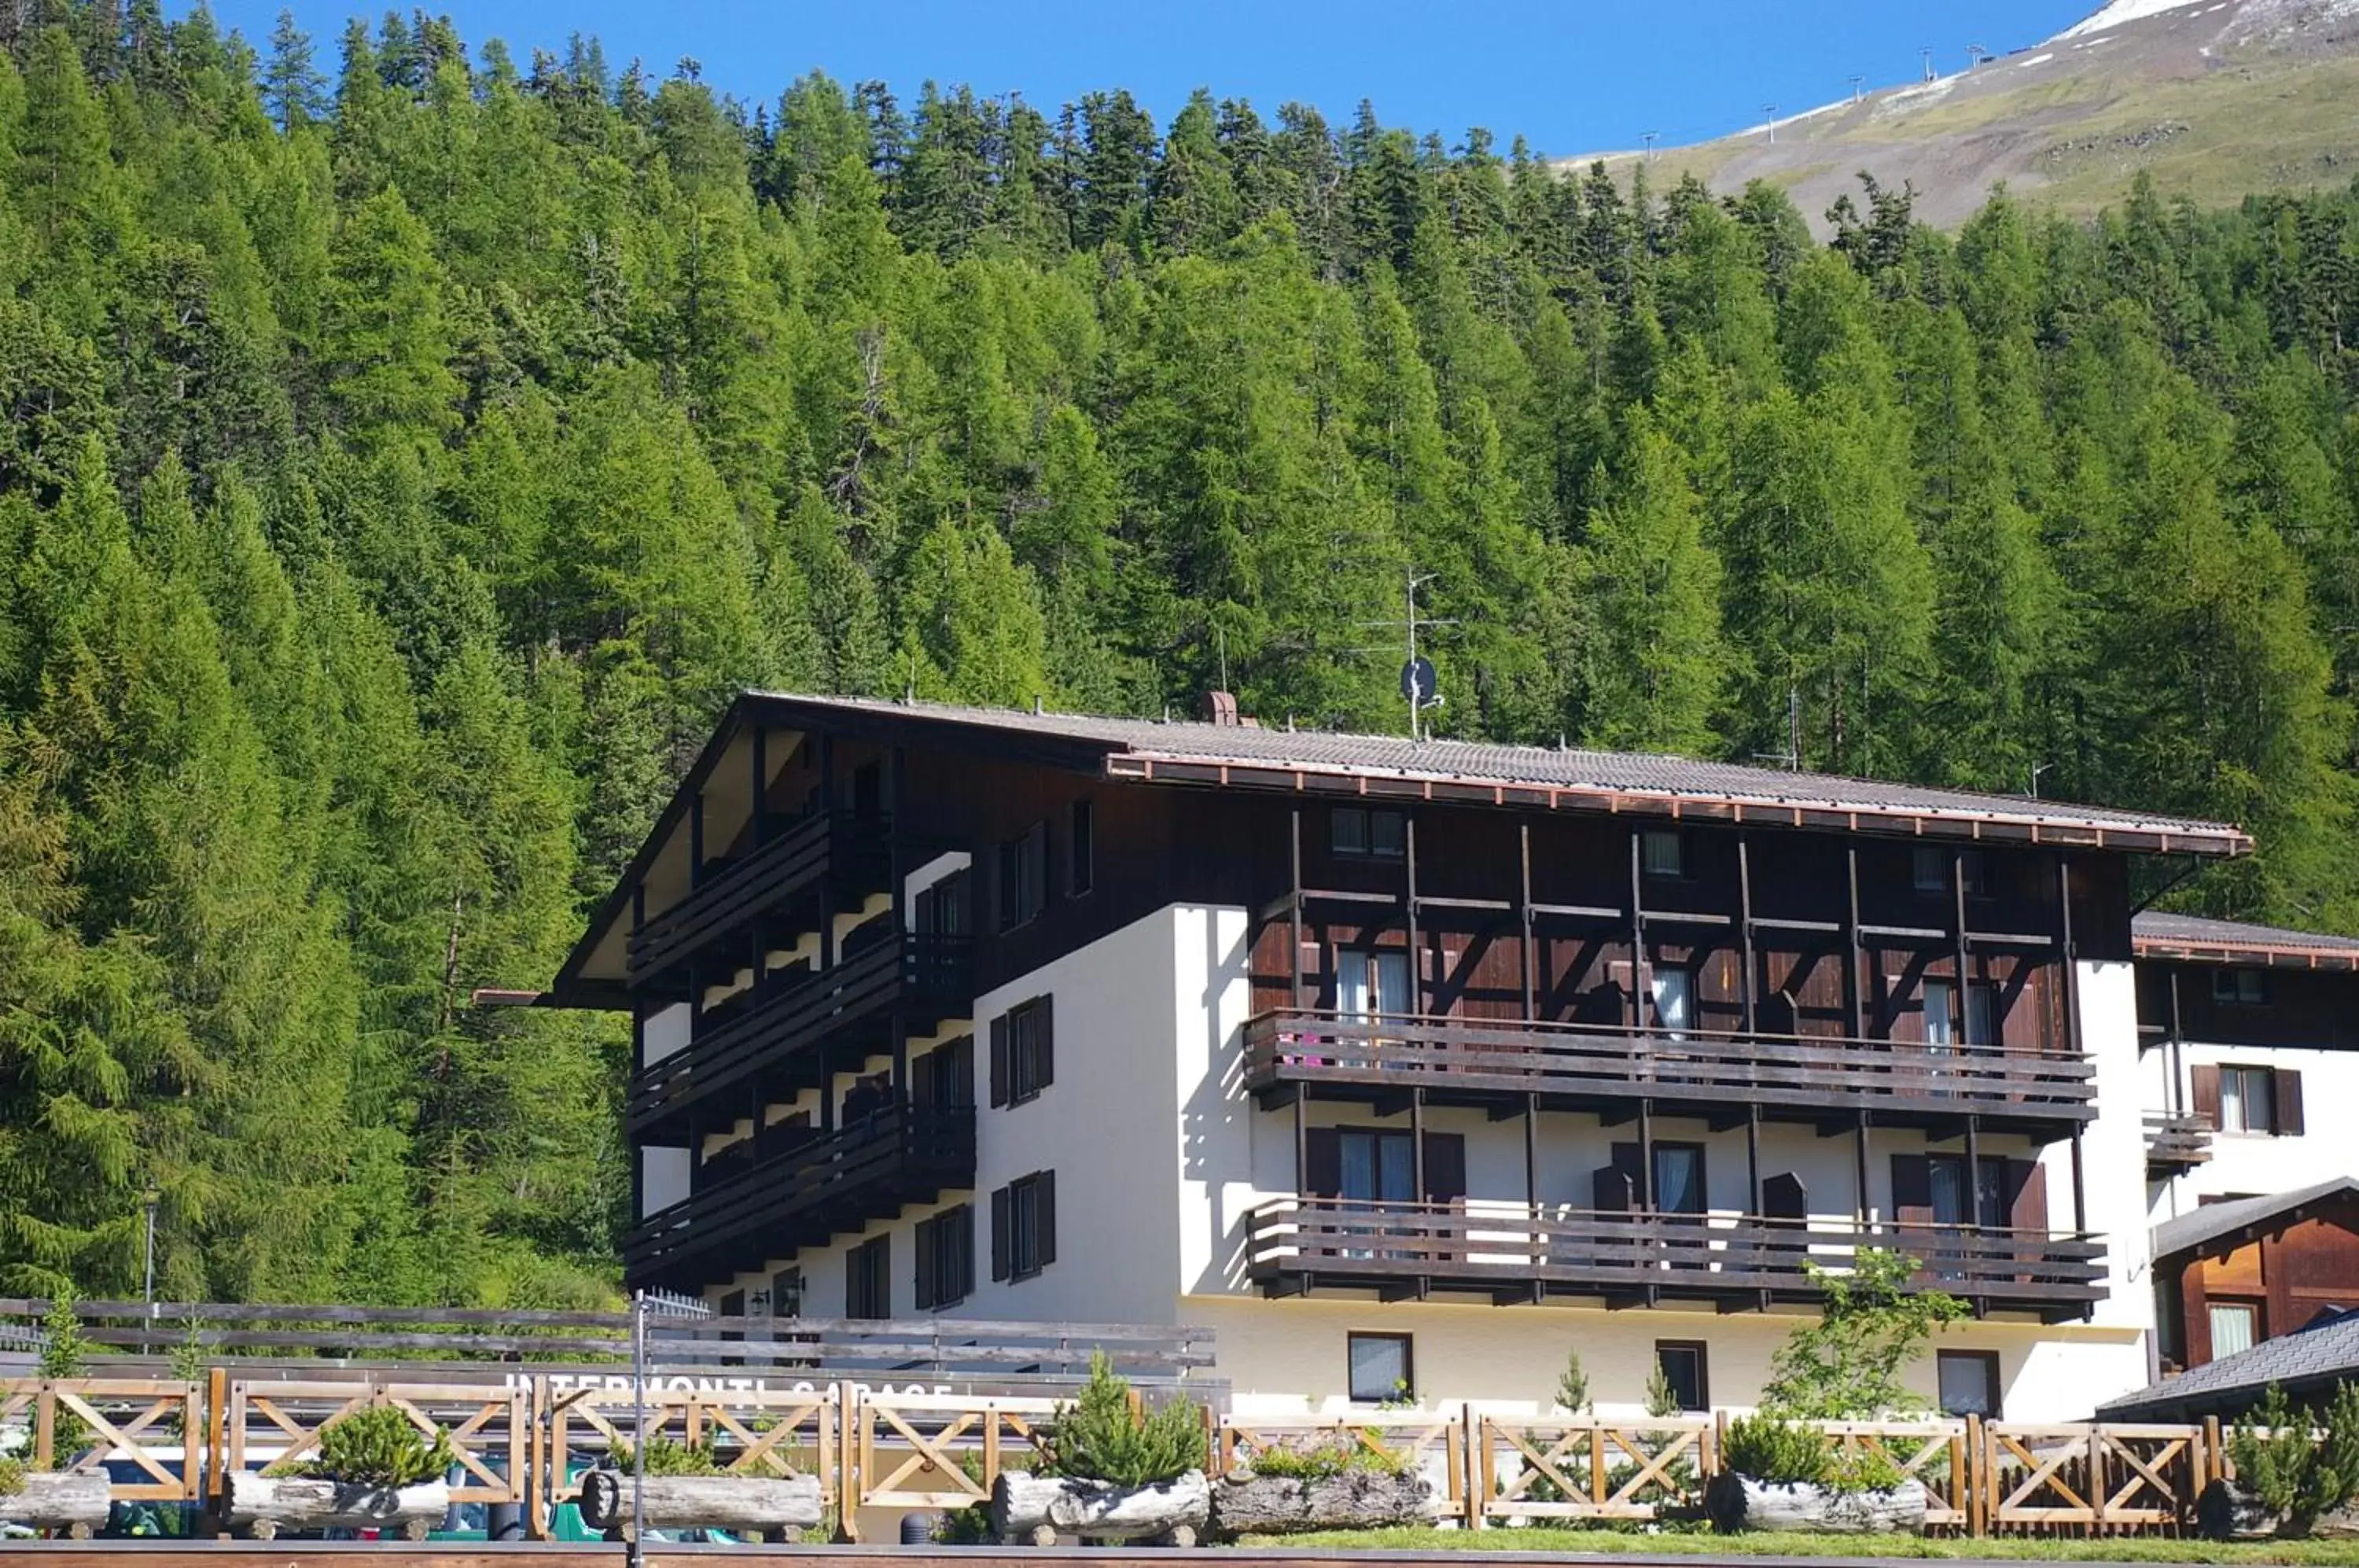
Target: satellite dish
1418,684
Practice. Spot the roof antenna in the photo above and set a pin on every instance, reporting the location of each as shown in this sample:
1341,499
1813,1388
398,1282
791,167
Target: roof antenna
1420,688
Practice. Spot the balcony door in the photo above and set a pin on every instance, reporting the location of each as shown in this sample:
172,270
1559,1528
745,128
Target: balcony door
1376,1167
1372,985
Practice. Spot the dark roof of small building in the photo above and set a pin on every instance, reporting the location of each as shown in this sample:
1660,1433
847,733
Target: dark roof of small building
2323,1352
2158,934
2215,1222
1179,750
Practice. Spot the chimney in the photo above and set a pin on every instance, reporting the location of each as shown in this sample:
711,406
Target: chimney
1220,708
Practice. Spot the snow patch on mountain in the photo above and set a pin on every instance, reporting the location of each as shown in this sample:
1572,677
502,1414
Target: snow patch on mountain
2121,11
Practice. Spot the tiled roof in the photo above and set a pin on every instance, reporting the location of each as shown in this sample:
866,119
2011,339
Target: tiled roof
2210,1221
1140,745
2326,1351
2157,934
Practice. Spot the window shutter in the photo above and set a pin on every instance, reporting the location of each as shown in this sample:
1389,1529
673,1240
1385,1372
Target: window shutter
1322,1164
964,1237
929,1242
1045,1215
999,1059
999,1228
2288,1083
1618,1188
1783,1197
1035,862
1445,1167
921,1079
1044,1047
1912,1188
2205,1083
2027,1185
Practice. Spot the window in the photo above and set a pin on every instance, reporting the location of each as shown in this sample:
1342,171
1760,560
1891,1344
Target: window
1933,867
1083,858
1673,990
2240,987
1685,1369
1679,1179
787,1293
2235,1326
868,1280
1355,830
2247,1099
1378,1167
1024,877
1969,1382
1023,1052
1371,985
1662,855
1982,1013
1024,1227
1941,1014
1947,1175
942,907
946,1258
1382,1367
943,1079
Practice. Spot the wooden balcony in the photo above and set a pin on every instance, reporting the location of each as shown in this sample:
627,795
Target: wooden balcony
770,1040
1515,1254
803,1193
851,848
1482,1061
2176,1143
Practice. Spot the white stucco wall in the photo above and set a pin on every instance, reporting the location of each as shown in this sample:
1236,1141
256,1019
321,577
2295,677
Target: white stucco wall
665,1032
2257,1162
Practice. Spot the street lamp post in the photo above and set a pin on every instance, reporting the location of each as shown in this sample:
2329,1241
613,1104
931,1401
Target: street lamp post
153,1197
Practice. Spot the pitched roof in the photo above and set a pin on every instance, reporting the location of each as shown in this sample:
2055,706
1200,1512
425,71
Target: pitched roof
2327,1351
1187,751
2157,934
2212,1222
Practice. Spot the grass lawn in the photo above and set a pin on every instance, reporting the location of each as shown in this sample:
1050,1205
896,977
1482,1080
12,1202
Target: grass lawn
1594,1541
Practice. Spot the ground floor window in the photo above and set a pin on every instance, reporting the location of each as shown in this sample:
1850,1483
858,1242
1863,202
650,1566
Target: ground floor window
2235,1325
1686,1372
1382,1367
946,1258
868,1280
1969,1380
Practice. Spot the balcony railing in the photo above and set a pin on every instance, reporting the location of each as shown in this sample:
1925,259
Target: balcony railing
2175,1142
1507,1248
928,977
1798,1077
732,892
806,1191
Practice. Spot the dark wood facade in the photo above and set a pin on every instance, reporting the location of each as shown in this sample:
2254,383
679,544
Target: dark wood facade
1529,943
2282,1273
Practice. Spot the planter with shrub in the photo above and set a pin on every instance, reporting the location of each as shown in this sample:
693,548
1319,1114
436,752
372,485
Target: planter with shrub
685,1487
1339,1485
1775,1475
375,1470
1113,1475
2288,1482
74,1501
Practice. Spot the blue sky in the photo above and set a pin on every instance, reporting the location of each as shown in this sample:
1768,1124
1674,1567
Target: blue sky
1573,75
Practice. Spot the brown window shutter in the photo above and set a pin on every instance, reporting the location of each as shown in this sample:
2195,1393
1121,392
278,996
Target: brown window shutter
2026,1186
1044,1048
921,1079
1322,1164
1045,1215
1315,992
929,1237
999,1224
1618,1188
1912,1188
2288,1083
1445,1167
1783,1197
999,1059
2205,1084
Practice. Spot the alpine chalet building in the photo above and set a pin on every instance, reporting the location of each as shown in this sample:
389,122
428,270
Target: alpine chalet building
1408,1067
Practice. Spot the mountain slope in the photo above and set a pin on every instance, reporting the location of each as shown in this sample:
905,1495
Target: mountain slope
2214,98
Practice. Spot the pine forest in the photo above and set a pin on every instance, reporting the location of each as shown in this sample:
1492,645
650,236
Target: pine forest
411,446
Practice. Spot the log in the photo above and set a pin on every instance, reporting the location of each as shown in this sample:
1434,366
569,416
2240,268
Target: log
1737,1502
71,1500
1249,1504
261,1505
1023,1505
2230,1512
768,1506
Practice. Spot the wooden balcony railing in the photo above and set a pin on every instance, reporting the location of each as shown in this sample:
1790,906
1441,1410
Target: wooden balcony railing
1796,1077
732,892
928,977
834,1183
2175,1142
1505,1249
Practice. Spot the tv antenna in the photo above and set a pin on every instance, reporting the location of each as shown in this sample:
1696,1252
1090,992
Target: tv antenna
1858,88
2037,769
1770,111
1421,687
1791,759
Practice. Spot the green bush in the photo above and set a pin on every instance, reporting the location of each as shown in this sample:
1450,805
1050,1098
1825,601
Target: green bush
669,1456
1778,1451
65,1354
2291,1473
1096,1438
1338,1456
380,1447
12,1478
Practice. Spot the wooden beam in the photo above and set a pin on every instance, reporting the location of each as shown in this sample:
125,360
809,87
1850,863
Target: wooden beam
1416,953
1531,954
1637,938
1749,983
761,749
1855,993
1294,905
